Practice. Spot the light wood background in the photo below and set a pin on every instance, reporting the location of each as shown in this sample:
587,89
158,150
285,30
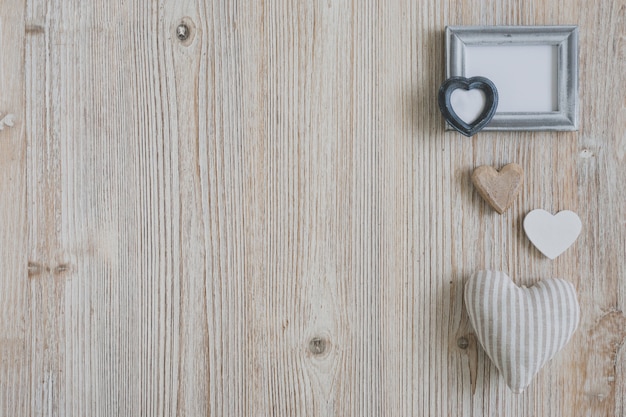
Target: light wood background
268,219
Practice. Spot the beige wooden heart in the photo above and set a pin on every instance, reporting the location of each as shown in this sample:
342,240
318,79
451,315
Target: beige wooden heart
499,189
520,329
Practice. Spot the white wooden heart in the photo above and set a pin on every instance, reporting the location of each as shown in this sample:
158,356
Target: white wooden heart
520,329
552,235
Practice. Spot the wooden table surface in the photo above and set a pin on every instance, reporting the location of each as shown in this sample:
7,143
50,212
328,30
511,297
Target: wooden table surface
268,218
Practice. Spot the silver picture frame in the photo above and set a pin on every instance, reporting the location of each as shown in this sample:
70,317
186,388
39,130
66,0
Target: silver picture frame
564,38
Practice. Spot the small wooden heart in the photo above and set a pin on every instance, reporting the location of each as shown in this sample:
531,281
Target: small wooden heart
489,110
520,328
499,189
552,235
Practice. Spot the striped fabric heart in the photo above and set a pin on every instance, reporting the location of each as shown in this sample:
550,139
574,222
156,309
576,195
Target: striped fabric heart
520,328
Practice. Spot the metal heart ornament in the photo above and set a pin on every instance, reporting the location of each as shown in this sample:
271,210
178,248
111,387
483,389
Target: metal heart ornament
521,329
489,110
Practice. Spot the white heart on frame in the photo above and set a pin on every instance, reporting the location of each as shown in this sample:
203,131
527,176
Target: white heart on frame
468,104
552,235
520,329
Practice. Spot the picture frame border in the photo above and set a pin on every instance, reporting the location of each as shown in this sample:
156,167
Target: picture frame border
565,38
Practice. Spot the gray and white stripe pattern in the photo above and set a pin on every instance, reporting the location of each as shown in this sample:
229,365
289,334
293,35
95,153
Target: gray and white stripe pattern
521,328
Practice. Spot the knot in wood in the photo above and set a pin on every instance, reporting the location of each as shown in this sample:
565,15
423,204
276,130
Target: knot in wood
317,346
462,342
182,32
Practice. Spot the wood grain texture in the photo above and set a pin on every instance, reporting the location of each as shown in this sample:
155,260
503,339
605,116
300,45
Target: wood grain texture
269,219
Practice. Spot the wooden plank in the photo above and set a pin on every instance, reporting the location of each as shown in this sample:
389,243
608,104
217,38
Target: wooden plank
15,341
101,212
